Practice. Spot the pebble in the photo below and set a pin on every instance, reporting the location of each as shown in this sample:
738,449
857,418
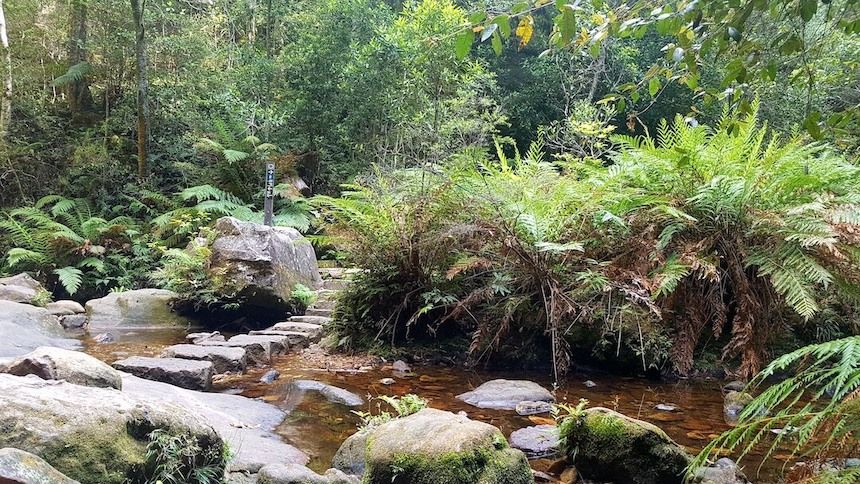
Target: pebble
664,407
589,384
569,475
387,381
104,338
270,376
401,366
533,408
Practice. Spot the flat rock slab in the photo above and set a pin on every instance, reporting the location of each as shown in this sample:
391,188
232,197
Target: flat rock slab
294,338
318,312
247,425
139,309
330,392
537,441
533,408
64,308
311,329
320,320
190,374
506,394
49,363
224,358
24,328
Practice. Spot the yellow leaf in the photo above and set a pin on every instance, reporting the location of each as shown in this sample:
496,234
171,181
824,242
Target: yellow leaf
525,30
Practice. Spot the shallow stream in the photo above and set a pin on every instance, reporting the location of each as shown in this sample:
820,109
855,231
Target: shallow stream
318,427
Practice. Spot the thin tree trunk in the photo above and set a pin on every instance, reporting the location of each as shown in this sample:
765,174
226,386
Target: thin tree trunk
6,108
80,98
137,7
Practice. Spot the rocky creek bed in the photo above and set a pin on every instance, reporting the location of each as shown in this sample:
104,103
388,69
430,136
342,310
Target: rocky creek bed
318,426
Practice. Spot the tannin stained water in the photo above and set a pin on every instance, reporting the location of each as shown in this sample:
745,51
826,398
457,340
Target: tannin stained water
318,427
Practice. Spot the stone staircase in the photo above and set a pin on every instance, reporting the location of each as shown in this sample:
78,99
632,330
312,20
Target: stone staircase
192,365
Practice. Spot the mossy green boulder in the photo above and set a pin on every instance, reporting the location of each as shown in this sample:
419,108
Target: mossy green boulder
608,446
92,435
438,447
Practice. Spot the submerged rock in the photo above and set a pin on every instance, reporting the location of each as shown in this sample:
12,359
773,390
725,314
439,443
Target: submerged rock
608,446
103,435
537,441
138,309
190,374
20,467
330,392
263,263
724,471
533,408
24,328
734,403
270,376
59,364
506,394
197,338
438,447
299,474
22,288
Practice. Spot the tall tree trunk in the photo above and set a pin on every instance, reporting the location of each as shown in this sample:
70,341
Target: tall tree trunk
6,101
137,7
80,98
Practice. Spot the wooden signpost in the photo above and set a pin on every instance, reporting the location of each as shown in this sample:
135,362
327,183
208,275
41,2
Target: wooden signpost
268,207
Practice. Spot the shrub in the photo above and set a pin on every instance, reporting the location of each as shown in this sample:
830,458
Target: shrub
731,230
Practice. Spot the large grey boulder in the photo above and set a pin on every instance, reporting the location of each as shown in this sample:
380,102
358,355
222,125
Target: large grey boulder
23,289
224,358
438,447
506,394
299,474
133,310
263,264
24,328
92,435
50,363
190,374
605,445
20,467
247,425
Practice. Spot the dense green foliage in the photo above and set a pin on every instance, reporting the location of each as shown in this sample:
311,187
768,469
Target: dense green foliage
727,230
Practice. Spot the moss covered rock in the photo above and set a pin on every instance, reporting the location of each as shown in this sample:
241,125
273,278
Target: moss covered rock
19,467
438,447
608,446
92,435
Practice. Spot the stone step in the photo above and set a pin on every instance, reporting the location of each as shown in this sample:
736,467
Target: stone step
296,339
259,348
190,374
336,284
319,312
338,272
310,329
224,358
319,320
327,295
325,305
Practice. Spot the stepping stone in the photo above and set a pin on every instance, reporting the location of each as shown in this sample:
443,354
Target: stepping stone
200,337
311,329
331,393
190,374
537,442
259,348
506,394
224,358
319,312
319,320
335,284
294,338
